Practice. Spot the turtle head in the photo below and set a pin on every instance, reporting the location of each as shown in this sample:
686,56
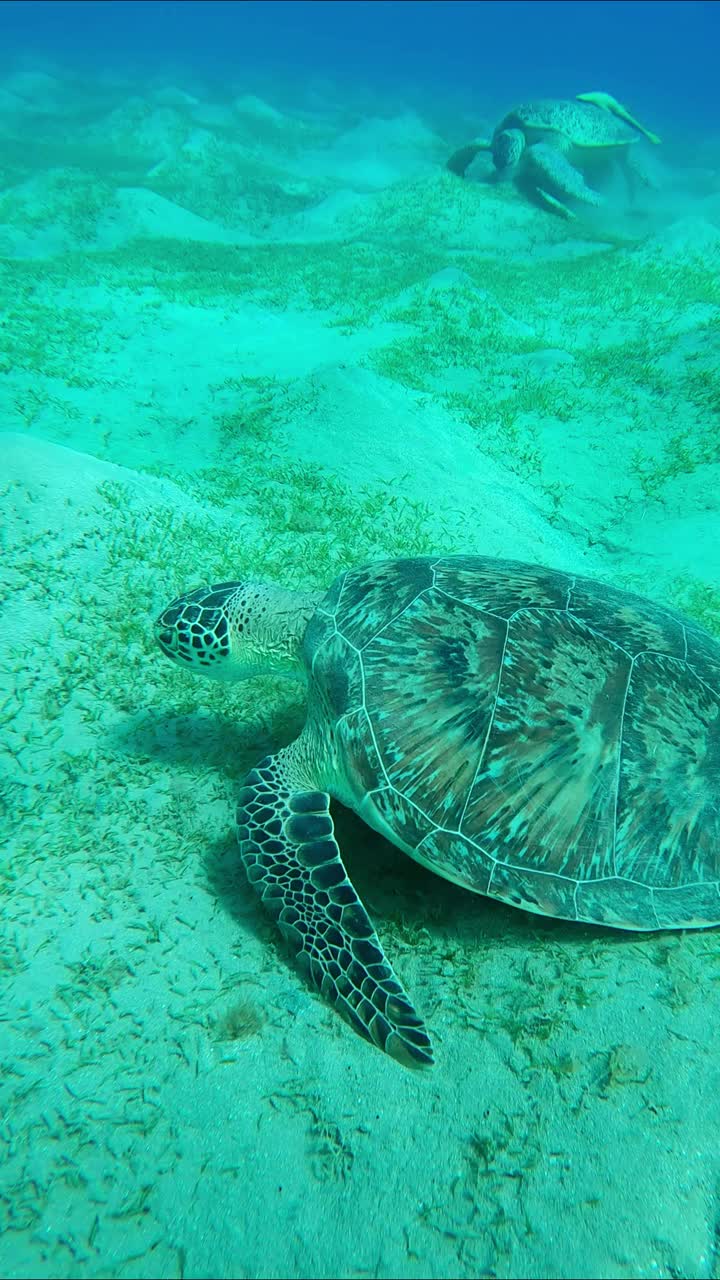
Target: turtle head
507,148
233,630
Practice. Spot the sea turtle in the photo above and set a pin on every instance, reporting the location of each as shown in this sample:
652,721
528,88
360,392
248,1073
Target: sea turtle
531,735
550,145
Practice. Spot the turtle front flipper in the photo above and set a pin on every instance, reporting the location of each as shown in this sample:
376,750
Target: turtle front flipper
549,202
547,169
292,859
461,159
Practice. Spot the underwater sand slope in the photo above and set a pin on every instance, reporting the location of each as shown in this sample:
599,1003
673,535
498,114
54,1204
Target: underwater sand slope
244,339
161,1047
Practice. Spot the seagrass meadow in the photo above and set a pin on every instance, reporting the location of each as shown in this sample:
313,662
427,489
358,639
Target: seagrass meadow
269,335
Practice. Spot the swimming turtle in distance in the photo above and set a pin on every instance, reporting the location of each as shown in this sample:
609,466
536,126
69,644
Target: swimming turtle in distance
531,735
550,146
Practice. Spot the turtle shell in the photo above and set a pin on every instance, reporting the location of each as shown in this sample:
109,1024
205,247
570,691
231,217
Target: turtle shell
581,123
531,735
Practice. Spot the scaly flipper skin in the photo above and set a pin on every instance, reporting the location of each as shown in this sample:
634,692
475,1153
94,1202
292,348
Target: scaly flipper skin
293,861
549,202
547,168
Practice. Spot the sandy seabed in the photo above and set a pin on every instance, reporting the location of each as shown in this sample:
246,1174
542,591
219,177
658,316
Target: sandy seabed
270,335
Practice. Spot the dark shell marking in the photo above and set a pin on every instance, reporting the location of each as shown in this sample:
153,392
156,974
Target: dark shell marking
533,736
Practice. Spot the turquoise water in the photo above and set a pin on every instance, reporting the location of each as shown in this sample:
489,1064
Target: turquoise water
251,326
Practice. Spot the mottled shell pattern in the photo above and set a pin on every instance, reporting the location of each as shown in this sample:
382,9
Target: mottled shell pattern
581,123
531,735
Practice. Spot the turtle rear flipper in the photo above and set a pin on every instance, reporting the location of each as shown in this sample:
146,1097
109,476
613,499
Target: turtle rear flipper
551,171
292,859
636,173
461,159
